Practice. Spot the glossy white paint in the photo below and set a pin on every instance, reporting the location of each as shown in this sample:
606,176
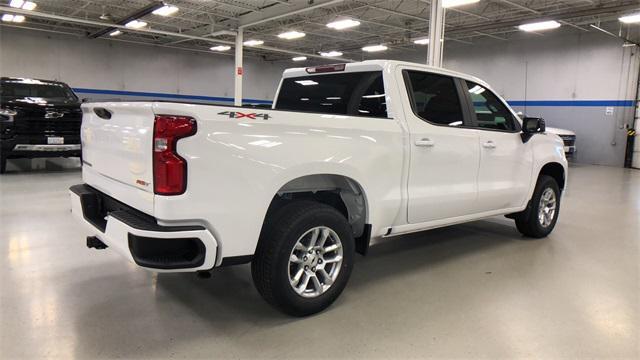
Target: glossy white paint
414,175
505,175
558,131
116,237
120,148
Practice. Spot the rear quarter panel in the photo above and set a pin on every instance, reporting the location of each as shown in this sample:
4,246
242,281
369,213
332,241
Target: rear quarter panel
237,165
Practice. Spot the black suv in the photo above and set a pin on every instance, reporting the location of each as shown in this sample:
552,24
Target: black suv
38,118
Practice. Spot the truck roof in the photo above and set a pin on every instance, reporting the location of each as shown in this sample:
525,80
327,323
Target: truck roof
370,65
29,80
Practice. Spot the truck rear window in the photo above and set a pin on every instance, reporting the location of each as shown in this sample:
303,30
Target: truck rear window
356,93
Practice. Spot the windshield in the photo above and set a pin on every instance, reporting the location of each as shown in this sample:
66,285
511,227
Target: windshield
34,90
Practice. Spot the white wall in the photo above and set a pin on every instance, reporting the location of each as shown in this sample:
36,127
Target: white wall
573,66
112,65
577,66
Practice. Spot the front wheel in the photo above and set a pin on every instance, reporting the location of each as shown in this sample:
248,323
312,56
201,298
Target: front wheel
539,220
304,258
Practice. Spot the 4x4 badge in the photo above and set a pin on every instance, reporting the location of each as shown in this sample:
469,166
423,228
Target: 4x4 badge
239,115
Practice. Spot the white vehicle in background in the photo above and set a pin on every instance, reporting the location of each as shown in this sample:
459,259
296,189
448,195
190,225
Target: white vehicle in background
348,153
568,138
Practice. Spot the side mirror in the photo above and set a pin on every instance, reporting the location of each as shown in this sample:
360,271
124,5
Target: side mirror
531,126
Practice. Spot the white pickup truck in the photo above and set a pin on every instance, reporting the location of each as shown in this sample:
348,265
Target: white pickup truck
348,153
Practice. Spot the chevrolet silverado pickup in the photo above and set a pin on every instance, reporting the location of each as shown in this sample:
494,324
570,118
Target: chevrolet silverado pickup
38,118
348,153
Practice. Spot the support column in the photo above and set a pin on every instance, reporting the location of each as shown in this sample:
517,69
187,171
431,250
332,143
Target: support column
436,30
239,70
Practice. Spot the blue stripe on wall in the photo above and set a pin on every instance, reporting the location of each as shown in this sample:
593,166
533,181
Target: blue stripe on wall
565,103
618,103
166,96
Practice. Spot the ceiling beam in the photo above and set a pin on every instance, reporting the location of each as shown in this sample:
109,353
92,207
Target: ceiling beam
394,12
133,16
42,15
557,15
251,20
521,7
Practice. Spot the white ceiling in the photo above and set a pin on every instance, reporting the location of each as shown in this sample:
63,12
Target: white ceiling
391,22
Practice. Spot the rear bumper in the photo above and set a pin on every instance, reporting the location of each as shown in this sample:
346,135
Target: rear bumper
16,149
139,238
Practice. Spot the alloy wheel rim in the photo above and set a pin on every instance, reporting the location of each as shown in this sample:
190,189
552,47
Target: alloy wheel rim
315,262
547,207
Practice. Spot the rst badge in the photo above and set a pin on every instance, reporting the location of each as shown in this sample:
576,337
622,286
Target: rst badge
240,115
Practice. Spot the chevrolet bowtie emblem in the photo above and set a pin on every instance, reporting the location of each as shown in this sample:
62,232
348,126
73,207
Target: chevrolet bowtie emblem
53,115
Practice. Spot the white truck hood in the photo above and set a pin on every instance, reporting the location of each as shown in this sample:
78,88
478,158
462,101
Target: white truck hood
557,131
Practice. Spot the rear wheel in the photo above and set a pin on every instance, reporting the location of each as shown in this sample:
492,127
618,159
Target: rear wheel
539,220
304,258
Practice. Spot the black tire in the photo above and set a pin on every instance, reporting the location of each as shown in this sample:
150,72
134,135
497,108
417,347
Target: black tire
270,266
528,222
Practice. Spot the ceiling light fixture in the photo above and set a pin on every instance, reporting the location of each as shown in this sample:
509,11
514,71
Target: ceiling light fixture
299,58
375,48
136,24
332,53
630,19
115,33
166,10
290,35
13,18
253,42
220,48
21,4
543,25
343,24
454,3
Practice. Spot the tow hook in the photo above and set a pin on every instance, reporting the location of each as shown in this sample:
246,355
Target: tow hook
94,243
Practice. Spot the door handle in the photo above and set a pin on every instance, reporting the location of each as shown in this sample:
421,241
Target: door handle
425,142
489,145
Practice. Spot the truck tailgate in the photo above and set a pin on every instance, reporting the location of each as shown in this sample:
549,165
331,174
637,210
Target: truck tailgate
117,140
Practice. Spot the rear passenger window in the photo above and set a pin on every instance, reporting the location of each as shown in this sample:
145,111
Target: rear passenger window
491,113
356,93
434,98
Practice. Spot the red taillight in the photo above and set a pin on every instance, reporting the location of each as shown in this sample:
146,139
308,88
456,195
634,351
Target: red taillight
169,169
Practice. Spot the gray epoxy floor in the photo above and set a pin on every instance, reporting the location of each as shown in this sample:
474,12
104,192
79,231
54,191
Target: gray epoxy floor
468,291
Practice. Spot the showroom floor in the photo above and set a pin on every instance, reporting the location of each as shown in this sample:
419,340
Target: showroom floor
468,291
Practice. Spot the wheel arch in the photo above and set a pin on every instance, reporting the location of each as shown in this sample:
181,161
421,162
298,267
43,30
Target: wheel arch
341,192
556,171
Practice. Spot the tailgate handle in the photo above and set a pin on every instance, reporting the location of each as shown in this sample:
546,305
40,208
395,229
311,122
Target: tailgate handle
102,113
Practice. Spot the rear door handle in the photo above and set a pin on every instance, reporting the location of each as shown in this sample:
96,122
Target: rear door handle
425,142
489,145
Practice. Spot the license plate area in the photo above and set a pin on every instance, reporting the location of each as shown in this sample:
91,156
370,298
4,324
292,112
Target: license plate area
55,140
